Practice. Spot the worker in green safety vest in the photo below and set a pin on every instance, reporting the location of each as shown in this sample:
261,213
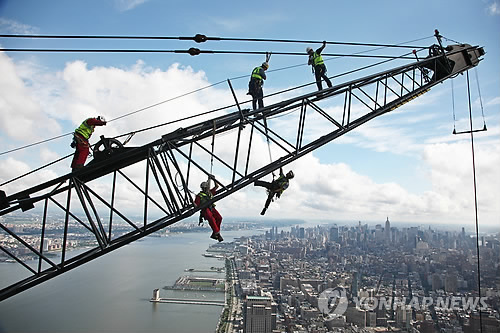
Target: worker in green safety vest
318,66
81,140
255,85
210,213
276,187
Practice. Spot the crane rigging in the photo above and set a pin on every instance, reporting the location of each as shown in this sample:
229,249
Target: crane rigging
171,162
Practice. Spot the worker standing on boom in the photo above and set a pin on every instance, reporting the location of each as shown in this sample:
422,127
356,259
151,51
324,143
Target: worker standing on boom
318,66
210,213
255,85
81,141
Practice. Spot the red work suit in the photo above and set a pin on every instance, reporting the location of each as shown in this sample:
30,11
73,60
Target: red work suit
82,144
210,213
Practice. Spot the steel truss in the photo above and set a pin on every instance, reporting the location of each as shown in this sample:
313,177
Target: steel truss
170,163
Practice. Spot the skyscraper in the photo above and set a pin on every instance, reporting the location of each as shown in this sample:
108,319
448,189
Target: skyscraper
257,315
387,230
334,234
354,284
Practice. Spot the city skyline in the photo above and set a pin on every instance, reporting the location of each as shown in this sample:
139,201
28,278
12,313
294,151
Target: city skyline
354,258
406,165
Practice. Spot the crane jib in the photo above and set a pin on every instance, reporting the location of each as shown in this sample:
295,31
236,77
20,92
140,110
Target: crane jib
166,158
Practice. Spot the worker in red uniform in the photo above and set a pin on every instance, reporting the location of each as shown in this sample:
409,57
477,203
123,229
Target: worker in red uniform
210,213
318,66
276,187
81,141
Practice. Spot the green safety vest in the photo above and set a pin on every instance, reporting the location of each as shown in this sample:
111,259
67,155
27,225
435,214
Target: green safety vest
204,197
256,73
317,59
283,183
85,130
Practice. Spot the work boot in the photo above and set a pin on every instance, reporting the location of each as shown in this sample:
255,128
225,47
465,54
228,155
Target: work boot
219,237
213,236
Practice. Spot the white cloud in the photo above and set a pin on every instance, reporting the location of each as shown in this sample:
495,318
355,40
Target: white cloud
47,156
451,175
15,27
12,168
21,118
124,5
494,9
329,191
494,101
241,23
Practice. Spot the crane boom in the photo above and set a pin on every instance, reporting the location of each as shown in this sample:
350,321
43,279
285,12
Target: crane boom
172,161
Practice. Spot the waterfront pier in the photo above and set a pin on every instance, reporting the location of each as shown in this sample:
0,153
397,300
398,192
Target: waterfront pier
157,299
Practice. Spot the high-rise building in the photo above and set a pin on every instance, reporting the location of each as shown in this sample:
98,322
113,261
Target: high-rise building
334,234
354,284
450,283
257,314
387,230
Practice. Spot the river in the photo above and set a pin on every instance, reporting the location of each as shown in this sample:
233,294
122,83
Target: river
111,293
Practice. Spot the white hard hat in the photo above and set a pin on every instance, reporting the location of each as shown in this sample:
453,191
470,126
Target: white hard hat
204,185
101,118
308,49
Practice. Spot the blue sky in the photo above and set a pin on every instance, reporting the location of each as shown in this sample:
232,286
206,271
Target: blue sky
405,165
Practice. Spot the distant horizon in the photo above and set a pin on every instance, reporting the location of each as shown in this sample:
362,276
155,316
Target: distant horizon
469,228
435,226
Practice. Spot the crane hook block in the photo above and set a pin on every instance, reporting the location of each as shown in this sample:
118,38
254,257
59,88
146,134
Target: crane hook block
198,38
194,51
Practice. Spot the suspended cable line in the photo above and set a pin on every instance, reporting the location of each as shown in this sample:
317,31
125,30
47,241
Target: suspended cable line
220,109
192,51
480,97
193,116
37,169
199,38
475,199
35,143
167,100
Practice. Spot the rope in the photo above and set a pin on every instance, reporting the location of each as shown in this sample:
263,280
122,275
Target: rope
480,98
35,170
200,39
35,143
165,101
191,51
453,107
213,146
268,142
201,114
209,86
475,201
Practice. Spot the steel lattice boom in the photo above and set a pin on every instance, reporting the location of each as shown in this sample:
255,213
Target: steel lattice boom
88,198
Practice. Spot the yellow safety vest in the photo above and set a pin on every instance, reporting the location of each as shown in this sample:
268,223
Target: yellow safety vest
317,59
283,183
204,197
256,73
85,130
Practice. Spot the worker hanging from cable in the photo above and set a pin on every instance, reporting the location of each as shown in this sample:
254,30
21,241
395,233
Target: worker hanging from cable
255,85
81,140
276,187
318,66
210,213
